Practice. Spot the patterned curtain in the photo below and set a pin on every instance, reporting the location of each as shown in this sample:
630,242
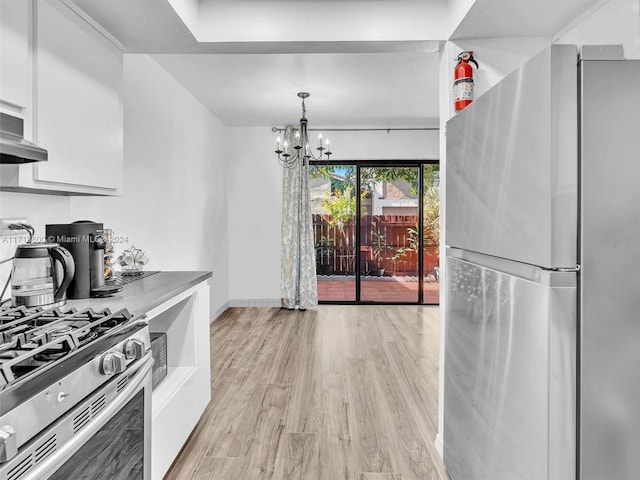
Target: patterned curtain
298,269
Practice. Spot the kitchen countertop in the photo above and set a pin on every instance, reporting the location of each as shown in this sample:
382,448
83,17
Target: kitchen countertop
144,294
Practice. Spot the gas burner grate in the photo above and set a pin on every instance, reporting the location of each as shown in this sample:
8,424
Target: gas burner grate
31,339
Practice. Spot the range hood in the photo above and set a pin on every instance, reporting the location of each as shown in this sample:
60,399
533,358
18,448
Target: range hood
13,147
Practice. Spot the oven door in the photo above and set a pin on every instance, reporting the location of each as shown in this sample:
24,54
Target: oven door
107,436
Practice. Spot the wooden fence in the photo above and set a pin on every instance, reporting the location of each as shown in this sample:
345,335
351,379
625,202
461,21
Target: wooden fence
394,235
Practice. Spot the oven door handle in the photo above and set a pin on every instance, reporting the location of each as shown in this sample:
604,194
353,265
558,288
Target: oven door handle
141,373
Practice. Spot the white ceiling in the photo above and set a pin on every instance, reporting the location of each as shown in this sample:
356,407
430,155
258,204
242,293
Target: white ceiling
366,63
516,18
347,90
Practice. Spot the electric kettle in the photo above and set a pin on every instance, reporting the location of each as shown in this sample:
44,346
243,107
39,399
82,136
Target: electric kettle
41,274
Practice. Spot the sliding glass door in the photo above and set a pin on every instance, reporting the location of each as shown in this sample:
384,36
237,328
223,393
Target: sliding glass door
376,229
389,224
430,215
334,207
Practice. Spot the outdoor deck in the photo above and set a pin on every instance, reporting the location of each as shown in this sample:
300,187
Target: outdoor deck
340,288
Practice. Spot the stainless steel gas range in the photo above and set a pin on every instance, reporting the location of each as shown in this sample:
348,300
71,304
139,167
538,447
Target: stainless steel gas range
75,395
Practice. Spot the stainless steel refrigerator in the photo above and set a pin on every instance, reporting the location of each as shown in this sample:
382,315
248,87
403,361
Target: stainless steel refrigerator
542,316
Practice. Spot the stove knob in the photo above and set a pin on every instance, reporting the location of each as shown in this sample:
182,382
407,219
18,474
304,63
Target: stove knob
134,349
8,444
113,363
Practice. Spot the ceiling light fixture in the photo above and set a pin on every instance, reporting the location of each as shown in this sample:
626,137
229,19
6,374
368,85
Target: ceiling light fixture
296,145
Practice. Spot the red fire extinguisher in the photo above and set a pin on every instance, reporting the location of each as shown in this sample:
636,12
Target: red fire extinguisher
463,80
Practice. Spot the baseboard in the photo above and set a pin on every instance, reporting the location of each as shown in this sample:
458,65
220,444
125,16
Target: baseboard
255,302
248,302
440,445
219,312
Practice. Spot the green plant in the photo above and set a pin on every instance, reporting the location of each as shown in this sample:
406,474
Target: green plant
379,246
341,207
397,254
431,215
431,221
413,239
371,175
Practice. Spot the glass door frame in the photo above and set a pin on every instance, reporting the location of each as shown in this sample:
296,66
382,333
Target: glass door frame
359,164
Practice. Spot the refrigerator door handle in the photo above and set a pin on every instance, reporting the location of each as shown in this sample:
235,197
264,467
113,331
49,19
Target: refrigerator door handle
575,269
557,277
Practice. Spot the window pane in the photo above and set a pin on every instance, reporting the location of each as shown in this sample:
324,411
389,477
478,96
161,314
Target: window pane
431,225
333,205
389,248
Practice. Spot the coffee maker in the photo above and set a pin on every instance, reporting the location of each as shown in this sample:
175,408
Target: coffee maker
85,242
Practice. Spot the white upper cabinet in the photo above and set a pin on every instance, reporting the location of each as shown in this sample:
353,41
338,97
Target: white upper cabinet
79,95
15,79
77,72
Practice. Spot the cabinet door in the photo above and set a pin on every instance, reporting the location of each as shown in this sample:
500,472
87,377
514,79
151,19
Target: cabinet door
79,103
15,69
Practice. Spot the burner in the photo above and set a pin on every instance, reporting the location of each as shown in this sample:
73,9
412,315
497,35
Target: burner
91,335
60,330
50,355
57,329
31,339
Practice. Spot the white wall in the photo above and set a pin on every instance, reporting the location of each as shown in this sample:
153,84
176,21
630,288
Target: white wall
175,196
457,11
497,58
258,21
615,22
383,145
174,204
255,199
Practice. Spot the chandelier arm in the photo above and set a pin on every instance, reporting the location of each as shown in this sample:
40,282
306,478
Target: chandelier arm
287,161
319,157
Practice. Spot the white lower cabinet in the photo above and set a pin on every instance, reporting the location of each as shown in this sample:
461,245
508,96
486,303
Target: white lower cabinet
182,396
77,70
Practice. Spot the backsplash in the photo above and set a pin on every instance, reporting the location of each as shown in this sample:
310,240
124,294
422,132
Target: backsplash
38,210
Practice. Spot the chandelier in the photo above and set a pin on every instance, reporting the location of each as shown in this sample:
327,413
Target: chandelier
296,147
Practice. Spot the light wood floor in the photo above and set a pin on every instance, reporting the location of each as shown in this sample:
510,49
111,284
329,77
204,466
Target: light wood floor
344,392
